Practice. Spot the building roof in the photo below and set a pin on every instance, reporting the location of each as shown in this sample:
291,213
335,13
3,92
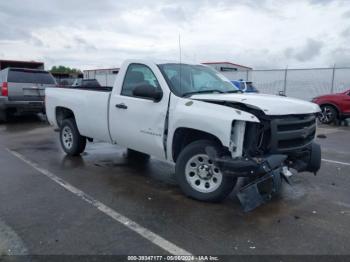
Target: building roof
228,63
19,61
115,68
4,63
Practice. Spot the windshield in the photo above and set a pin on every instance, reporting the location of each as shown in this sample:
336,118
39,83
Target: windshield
185,80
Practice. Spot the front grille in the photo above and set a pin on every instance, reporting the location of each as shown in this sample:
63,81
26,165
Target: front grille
292,133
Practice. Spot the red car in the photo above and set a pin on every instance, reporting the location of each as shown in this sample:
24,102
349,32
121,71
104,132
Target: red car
334,106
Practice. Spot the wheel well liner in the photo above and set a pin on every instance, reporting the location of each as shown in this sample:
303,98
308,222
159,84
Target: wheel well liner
184,136
63,113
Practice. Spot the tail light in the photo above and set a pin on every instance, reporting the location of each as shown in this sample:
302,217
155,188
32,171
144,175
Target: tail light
4,89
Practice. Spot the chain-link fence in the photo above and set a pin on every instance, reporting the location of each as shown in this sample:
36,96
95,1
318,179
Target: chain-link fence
300,83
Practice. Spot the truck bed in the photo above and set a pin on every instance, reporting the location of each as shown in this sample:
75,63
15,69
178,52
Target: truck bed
90,109
91,88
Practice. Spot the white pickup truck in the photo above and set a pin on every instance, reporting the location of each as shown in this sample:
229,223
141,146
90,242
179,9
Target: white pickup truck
191,115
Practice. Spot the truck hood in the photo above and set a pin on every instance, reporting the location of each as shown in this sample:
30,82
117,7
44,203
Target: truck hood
269,104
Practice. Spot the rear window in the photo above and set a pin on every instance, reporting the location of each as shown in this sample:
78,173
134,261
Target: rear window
26,76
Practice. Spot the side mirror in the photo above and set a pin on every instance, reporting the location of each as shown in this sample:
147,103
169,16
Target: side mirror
148,92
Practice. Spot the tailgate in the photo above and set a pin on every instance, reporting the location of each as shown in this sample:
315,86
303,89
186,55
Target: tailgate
26,92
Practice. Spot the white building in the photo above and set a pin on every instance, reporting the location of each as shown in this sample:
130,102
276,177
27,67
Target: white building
227,66
105,77
231,70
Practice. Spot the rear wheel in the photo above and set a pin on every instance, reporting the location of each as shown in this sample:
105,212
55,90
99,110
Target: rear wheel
198,176
328,115
71,141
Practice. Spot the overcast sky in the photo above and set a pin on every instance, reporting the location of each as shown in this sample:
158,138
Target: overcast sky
98,34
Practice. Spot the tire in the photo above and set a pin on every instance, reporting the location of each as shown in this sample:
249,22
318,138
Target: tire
137,156
328,115
71,141
198,177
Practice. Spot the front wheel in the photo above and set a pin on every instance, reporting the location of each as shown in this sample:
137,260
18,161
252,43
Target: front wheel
71,141
198,176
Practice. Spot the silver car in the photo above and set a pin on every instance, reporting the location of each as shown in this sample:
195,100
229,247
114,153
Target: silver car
23,90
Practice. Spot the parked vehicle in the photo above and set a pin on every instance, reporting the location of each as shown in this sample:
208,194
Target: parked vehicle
65,81
245,86
23,90
189,115
86,83
334,107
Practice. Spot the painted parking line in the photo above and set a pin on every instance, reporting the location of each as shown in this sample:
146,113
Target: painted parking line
336,162
132,225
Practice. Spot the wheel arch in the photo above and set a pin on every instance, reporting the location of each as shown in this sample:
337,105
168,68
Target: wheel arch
183,136
332,105
63,113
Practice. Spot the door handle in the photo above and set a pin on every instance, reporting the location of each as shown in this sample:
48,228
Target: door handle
121,106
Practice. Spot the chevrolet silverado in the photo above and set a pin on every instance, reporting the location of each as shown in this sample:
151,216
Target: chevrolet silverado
190,115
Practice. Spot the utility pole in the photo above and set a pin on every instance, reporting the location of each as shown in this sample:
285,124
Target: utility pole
333,78
285,81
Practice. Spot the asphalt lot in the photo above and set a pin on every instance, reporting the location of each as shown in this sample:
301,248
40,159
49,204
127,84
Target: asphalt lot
40,216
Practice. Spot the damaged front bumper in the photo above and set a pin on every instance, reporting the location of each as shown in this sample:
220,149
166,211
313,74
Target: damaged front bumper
265,174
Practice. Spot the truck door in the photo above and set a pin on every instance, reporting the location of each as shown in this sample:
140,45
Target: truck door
135,122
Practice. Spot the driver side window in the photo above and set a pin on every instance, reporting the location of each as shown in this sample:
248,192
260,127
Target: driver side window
138,75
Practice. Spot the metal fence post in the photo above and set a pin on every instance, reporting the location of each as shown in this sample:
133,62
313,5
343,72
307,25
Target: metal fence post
333,78
285,81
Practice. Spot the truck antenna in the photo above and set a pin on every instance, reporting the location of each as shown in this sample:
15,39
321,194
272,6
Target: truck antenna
180,48
180,60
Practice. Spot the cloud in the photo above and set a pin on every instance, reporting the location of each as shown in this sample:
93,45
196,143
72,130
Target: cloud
175,13
346,32
346,14
322,2
341,57
86,34
310,50
36,41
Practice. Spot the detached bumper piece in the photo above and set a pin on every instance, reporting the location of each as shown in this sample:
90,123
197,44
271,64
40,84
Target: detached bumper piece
265,173
265,182
260,190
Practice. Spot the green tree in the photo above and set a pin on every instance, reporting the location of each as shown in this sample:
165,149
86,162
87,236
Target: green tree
65,70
